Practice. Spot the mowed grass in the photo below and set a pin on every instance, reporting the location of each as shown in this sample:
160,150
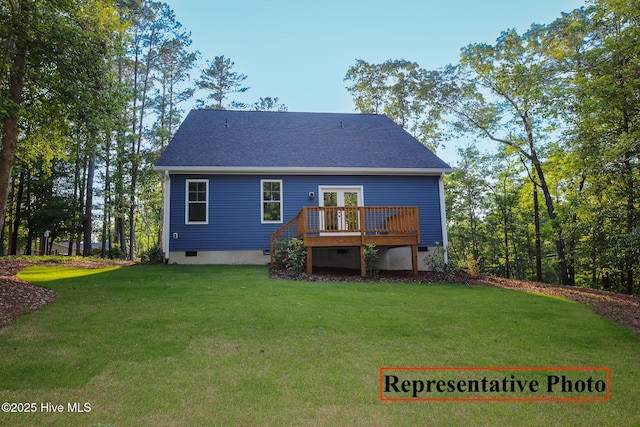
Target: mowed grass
225,345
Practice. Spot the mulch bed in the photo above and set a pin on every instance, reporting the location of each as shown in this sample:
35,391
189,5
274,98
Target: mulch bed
18,297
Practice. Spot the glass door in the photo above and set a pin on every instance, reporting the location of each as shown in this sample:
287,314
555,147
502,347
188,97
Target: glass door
343,220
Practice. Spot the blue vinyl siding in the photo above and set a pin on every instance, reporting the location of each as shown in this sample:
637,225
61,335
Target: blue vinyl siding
234,207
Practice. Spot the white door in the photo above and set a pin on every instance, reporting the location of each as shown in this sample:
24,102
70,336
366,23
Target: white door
343,220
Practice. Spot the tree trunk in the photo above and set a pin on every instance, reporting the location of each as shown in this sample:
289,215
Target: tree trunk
120,232
629,258
132,228
138,141
81,199
10,128
562,261
13,238
507,262
106,211
536,222
88,214
28,248
2,253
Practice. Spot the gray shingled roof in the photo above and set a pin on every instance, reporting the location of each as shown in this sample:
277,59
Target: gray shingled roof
252,139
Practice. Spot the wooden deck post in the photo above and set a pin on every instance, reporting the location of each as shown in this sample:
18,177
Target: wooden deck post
309,259
363,264
414,259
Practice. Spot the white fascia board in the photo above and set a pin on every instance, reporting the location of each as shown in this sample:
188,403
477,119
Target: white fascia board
166,214
443,219
235,170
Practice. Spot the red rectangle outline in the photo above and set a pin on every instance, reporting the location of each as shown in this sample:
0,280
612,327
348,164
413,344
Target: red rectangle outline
499,399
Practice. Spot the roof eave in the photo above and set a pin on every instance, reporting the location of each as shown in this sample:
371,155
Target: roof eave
247,170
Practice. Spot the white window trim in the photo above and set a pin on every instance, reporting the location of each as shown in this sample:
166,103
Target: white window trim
186,202
359,189
262,220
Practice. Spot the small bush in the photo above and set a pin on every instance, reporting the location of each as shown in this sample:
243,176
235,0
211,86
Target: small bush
435,260
152,255
296,260
473,265
280,254
371,257
116,252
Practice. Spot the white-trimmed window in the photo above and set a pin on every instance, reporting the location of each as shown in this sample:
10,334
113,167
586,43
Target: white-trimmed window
197,201
271,200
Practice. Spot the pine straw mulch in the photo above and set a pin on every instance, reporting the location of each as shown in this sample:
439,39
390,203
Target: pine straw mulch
19,297
622,309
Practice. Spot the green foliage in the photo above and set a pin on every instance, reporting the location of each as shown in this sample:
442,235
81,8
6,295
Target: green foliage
371,257
435,260
116,252
152,255
296,260
291,255
280,254
561,100
269,104
220,81
394,88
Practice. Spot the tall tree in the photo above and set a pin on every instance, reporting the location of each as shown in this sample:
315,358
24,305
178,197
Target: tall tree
393,88
53,47
467,203
563,98
174,64
502,92
607,130
269,104
155,30
220,80
368,86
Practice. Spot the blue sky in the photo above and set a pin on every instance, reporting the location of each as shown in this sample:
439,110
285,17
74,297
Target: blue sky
299,50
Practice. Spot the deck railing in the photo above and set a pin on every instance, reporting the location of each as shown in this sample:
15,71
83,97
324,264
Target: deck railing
362,220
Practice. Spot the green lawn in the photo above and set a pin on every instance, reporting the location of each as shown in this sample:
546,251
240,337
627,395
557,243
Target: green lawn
225,345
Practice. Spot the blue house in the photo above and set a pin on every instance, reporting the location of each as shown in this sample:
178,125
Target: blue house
236,182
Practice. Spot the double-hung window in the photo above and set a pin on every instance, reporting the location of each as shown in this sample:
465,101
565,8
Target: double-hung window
271,200
197,208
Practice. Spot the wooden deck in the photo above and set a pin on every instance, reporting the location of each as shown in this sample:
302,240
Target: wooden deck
390,226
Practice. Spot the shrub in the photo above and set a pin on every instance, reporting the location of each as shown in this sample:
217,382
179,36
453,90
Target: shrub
435,260
280,254
152,255
473,265
371,257
296,260
116,252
